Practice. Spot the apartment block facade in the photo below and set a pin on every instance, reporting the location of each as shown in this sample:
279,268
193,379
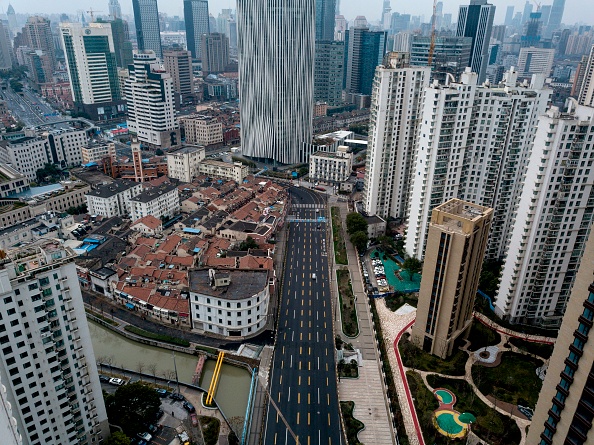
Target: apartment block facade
183,164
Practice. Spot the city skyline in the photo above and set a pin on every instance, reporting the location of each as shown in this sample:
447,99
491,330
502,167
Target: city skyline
350,10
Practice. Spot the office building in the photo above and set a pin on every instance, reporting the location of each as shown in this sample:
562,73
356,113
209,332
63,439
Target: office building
556,17
215,53
458,235
585,87
115,11
527,11
179,65
148,28
545,11
151,102
509,16
563,413
182,164
325,13
92,69
365,51
197,24
121,42
6,57
331,167
396,106
473,144
532,30
329,72
276,85
399,23
47,362
12,20
112,199
535,61
340,28
202,130
552,221
451,55
475,21
37,35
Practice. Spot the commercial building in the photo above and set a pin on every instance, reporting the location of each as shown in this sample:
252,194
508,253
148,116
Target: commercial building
179,65
92,69
215,53
555,17
115,9
197,24
325,13
476,21
183,164
218,169
563,413
331,167
276,85
365,50
552,221
148,28
161,202
202,130
112,199
474,143
586,85
47,362
151,102
6,53
329,72
395,117
233,303
451,55
535,61
456,245
121,42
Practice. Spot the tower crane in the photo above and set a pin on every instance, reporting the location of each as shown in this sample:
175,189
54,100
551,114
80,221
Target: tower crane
92,12
432,45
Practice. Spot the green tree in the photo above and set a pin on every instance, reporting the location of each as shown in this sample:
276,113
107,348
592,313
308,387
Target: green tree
249,243
385,241
490,274
413,266
355,222
359,240
159,152
118,438
132,407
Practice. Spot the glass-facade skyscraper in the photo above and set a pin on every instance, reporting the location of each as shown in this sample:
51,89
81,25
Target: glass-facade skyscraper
148,30
197,24
325,10
476,21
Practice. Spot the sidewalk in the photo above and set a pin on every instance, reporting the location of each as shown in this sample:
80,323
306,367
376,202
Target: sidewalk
527,337
368,391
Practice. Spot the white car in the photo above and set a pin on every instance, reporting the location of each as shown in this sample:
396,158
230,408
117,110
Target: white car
145,436
117,382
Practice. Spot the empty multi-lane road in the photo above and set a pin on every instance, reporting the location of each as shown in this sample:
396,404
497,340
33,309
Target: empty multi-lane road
303,389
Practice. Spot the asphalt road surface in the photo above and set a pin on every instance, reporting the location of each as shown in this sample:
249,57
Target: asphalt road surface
303,379
30,108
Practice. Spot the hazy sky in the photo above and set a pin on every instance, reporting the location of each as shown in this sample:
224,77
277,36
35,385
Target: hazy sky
574,9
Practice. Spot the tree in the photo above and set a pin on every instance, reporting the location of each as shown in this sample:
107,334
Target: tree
132,407
159,152
413,266
249,243
359,240
385,241
118,438
355,222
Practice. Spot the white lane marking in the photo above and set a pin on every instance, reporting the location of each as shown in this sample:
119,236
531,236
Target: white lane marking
289,398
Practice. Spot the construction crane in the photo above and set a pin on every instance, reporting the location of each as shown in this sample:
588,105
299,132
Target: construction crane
432,45
92,12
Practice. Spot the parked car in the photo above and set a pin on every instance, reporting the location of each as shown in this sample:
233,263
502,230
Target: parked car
145,436
177,396
194,419
161,392
189,407
159,415
115,381
104,378
153,428
526,411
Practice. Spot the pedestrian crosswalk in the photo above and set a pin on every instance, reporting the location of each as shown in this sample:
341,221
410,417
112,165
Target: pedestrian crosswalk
321,219
306,206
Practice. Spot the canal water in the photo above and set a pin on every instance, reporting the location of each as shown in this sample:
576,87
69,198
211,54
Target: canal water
234,383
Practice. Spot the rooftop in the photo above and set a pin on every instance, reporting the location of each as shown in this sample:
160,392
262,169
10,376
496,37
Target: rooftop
150,194
186,149
244,283
109,190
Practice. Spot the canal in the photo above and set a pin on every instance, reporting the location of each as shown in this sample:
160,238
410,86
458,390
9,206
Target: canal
234,383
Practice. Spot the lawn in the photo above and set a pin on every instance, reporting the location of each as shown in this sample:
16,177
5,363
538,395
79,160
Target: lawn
352,425
490,426
416,358
397,299
541,349
481,336
350,326
210,429
513,381
340,254
158,337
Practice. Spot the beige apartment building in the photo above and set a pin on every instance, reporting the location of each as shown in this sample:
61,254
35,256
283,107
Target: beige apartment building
565,408
202,130
456,244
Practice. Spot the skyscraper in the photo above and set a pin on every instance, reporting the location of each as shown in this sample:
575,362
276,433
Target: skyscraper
5,48
37,34
148,29
215,53
509,16
532,30
563,413
12,21
151,102
552,220
451,55
476,20
456,245
47,362
527,11
556,17
92,68
365,51
179,65
121,41
586,83
325,13
276,62
115,11
329,72
197,24
386,15
396,106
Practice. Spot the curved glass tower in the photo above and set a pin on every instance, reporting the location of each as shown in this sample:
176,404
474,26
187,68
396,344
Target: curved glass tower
276,43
